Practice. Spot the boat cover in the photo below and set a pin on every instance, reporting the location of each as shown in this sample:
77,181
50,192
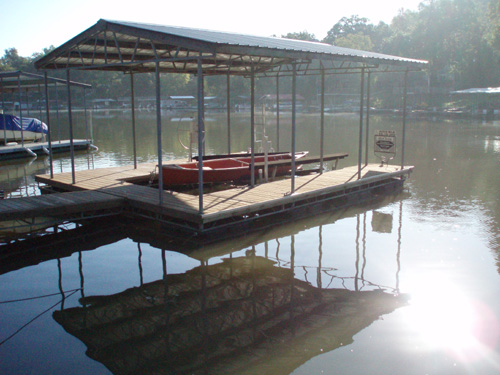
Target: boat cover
10,122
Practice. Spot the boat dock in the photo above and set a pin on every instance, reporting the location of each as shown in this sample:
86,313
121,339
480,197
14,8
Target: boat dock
34,149
184,51
111,191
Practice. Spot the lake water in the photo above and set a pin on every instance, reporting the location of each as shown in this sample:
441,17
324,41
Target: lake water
407,285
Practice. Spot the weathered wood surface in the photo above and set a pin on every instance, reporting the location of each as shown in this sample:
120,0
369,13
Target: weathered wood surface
111,187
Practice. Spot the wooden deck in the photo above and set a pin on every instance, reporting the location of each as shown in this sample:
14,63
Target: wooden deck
58,205
221,205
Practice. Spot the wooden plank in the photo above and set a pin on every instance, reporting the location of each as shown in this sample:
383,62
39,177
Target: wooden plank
304,160
57,204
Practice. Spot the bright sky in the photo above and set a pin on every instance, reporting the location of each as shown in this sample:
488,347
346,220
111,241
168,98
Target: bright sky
31,25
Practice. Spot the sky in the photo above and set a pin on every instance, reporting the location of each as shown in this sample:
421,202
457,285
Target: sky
32,25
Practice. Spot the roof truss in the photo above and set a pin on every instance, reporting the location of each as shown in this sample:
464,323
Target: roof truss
141,48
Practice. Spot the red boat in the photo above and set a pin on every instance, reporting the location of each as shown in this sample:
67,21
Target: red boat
225,169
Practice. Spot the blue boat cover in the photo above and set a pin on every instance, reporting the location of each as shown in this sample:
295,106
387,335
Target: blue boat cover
9,122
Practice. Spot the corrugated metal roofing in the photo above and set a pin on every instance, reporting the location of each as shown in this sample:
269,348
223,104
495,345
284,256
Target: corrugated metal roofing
286,45
118,45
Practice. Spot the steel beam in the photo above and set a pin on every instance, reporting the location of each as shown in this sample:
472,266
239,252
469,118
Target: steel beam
158,134
403,139
294,118
367,141
49,136
20,109
277,113
70,118
322,120
3,113
132,103
252,127
201,133
361,109
228,105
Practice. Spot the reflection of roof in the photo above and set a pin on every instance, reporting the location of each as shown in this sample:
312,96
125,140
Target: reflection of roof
132,46
484,90
241,316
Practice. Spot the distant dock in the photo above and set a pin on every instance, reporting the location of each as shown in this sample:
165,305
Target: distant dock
33,149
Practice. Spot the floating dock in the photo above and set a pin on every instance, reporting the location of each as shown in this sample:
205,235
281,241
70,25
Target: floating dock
112,191
34,149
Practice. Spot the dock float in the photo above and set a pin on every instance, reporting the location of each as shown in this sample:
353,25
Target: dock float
108,191
34,149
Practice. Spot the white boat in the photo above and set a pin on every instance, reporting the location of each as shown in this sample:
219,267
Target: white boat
11,129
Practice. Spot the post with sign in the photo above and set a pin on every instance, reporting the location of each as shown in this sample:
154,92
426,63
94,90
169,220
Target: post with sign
385,145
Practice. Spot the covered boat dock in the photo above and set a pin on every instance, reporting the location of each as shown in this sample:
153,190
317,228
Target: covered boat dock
135,48
17,86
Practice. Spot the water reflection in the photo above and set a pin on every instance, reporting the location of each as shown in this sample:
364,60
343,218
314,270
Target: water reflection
265,303
244,315
17,177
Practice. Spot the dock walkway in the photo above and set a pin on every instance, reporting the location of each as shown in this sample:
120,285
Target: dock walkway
112,188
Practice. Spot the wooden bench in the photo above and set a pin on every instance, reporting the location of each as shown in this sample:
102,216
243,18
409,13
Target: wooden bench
306,160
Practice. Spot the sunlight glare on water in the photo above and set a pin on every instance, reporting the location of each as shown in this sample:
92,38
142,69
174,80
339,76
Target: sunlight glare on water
445,318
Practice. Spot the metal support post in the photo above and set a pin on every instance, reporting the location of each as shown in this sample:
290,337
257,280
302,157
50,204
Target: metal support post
3,113
40,102
57,116
228,105
322,131
47,109
367,141
158,134
201,133
70,118
87,134
294,116
277,113
403,138
252,127
361,109
132,104
20,109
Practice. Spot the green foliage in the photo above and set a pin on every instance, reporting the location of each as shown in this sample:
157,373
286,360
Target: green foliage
12,61
353,25
459,38
302,35
356,41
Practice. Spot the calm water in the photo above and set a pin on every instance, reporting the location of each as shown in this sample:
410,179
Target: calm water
409,285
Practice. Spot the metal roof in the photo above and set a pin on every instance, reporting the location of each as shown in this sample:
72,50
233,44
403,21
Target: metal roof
11,81
137,47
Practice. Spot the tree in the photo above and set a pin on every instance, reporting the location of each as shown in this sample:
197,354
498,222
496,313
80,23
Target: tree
348,26
301,35
355,41
12,61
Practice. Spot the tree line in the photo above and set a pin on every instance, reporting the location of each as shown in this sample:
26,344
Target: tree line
459,38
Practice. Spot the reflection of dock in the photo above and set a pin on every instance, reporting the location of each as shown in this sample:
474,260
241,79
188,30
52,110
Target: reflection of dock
99,232
241,316
41,148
